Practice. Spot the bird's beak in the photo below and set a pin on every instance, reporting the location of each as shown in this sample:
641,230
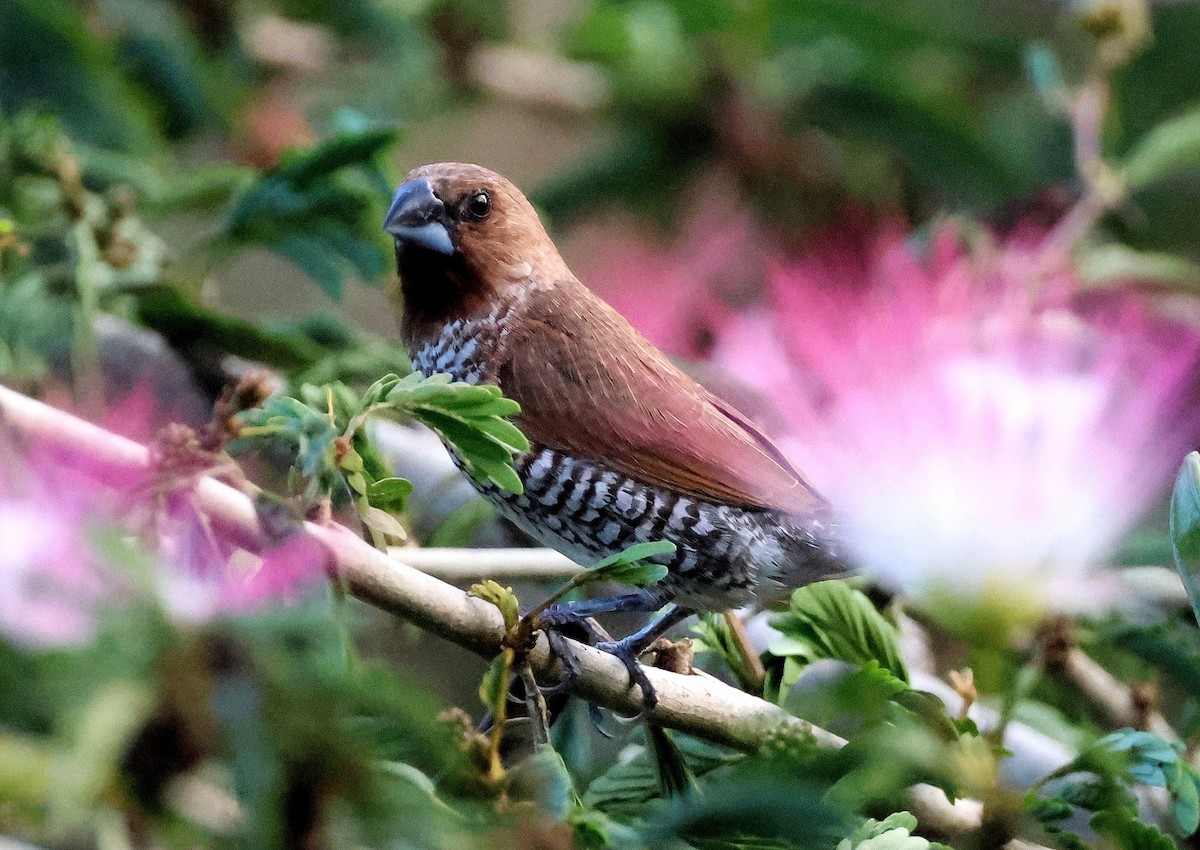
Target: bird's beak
415,218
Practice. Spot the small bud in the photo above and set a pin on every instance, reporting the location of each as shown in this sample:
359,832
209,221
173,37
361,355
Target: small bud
963,682
1121,29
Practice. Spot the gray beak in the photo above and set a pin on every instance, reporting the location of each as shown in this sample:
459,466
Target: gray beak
415,219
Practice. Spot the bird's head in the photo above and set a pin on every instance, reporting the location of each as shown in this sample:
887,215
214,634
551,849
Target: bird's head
465,236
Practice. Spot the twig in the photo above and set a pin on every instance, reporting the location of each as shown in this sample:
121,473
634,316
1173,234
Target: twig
697,705
1119,703
535,705
1104,188
754,665
466,566
691,704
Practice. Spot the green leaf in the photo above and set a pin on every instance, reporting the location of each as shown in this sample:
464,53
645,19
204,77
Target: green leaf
499,473
55,61
836,621
596,829
1096,794
542,778
390,494
1186,803
892,833
636,552
384,523
630,783
320,208
469,418
932,711
185,322
1185,527
1169,148
409,775
1172,646
499,431
638,575
1149,755
1049,811
629,567
357,482
1129,832
315,259
746,809
1114,264
352,462
493,689
712,633
344,150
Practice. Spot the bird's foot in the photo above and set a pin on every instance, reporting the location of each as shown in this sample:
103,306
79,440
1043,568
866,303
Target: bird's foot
561,625
627,650
568,658
575,620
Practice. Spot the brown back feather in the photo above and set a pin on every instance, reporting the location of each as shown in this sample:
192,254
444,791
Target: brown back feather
591,386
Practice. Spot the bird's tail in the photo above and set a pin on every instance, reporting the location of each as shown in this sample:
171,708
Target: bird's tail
813,552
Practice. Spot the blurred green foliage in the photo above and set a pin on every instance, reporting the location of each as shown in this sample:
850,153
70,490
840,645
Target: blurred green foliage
311,209
119,117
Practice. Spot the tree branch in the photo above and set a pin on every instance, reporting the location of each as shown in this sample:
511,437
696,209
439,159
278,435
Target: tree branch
698,705
466,566
1120,704
691,704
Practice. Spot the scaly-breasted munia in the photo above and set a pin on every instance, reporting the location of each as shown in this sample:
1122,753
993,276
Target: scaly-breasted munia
625,448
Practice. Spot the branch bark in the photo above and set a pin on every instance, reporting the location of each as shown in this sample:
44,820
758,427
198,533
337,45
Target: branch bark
698,705
466,566
1119,703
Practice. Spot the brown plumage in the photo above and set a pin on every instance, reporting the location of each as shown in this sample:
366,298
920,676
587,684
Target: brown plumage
580,363
576,360
626,447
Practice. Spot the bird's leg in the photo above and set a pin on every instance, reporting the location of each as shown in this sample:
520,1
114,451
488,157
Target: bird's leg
573,612
627,649
579,615
592,633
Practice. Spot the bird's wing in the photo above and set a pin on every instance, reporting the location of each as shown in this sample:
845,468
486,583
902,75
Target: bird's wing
589,385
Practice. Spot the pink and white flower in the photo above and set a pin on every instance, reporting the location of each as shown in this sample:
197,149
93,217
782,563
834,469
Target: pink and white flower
678,294
57,574
975,422
49,581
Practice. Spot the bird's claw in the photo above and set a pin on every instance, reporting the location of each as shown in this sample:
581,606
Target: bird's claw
627,654
560,647
624,650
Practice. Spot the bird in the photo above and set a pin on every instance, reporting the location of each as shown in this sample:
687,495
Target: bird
625,447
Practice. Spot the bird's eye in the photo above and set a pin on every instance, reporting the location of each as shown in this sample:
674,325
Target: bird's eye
478,206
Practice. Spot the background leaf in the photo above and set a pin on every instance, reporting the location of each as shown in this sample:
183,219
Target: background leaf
1171,147
1185,527
835,621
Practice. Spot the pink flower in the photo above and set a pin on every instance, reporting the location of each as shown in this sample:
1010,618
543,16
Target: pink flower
55,577
50,578
204,576
679,294
971,420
